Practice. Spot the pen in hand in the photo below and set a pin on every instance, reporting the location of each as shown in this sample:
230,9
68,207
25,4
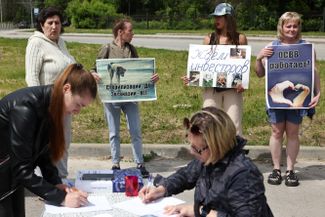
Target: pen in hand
149,184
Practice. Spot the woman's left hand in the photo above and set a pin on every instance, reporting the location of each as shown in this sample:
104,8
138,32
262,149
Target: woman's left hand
314,101
240,88
155,78
181,210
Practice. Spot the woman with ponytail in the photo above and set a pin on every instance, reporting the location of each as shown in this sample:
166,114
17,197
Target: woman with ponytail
32,134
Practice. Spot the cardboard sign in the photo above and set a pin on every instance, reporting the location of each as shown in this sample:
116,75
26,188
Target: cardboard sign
290,76
222,66
126,80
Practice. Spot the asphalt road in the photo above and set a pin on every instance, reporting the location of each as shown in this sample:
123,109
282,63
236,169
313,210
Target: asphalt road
306,200
164,41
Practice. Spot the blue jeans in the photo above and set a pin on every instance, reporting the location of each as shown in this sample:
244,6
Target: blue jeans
62,164
113,114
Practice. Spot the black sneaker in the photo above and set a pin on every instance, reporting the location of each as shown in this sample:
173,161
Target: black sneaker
116,167
275,177
143,170
291,179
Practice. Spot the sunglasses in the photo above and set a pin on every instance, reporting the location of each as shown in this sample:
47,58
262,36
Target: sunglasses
195,129
199,151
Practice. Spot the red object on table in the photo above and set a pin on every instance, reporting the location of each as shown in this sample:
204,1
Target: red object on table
131,186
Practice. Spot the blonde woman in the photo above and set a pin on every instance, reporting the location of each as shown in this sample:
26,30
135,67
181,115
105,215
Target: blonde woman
284,120
225,33
222,175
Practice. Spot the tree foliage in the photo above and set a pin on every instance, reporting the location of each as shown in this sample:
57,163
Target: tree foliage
91,14
172,14
60,4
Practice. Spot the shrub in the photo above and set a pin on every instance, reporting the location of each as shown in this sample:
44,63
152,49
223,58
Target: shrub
153,24
314,24
91,14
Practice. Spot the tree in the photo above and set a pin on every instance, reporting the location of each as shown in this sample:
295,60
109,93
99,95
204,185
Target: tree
91,14
60,4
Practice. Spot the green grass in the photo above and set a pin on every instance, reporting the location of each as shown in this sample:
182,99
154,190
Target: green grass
161,119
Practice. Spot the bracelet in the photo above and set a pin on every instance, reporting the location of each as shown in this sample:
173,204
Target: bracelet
259,59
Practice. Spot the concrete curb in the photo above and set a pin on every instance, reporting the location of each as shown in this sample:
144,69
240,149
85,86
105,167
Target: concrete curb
98,150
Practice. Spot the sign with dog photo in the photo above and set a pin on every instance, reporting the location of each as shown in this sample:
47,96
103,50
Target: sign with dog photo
289,75
125,80
222,66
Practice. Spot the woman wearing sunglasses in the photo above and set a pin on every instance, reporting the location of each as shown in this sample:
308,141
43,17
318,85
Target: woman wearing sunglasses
226,182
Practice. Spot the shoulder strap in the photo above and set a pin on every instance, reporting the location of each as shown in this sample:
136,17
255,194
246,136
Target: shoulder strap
106,51
102,54
134,53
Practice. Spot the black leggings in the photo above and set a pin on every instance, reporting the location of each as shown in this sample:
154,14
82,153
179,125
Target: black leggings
13,205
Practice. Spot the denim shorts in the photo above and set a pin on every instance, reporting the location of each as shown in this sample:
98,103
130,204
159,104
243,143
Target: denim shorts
280,115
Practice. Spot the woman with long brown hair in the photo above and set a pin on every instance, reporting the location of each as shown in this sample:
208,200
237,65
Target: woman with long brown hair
119,48
225,33
32,134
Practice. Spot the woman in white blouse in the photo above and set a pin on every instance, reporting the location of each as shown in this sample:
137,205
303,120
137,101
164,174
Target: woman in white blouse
46,58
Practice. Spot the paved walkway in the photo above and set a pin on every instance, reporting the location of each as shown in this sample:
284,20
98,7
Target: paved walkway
306,200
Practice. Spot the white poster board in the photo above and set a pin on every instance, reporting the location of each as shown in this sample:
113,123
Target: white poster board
222,66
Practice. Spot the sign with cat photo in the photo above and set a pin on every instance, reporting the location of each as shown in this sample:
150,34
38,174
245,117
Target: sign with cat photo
222,66
289,74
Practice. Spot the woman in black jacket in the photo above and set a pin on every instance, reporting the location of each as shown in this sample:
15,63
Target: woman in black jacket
32,134
227,183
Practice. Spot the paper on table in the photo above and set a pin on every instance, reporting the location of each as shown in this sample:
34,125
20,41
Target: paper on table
96,203
155,208
103,215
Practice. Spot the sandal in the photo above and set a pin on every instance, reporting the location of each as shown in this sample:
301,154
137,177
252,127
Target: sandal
275,177
291,179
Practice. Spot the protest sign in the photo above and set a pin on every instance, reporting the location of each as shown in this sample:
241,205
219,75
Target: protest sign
125,80
290,76
223,66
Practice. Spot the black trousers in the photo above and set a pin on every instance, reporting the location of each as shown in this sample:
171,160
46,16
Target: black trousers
13,205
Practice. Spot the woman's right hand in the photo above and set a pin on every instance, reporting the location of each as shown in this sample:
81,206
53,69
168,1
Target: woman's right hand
96,76
150,193
265,52
75,198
